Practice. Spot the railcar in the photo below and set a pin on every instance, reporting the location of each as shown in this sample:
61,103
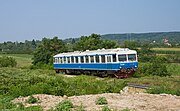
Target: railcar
121,62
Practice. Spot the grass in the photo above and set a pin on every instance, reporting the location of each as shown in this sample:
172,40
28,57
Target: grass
23,60
101,101
167,49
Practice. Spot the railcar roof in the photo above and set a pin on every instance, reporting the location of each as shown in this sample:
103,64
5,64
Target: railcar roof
98,52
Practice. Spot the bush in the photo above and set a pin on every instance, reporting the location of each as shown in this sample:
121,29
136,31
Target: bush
101,101
7,62
32,100
157,67
65,105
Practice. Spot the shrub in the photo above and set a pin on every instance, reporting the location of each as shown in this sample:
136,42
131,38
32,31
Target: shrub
65,105
106,108
7,62
156,67
101,101
32,100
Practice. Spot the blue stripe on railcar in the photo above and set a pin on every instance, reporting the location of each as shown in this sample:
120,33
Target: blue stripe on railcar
97,66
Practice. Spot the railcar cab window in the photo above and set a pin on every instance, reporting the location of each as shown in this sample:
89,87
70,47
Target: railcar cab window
122,58
131,57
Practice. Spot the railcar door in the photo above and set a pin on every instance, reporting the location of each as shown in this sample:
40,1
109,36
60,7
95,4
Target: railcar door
109,61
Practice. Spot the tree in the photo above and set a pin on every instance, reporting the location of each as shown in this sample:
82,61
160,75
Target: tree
47,49
93,42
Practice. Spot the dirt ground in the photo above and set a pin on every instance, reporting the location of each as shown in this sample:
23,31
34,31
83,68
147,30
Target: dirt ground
116,101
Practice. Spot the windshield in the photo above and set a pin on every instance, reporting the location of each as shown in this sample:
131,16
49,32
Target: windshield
131,57
122,58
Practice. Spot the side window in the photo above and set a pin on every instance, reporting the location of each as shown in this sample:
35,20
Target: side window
76,59
108,58
87,59
122,57
59,60
82,59
92,59
68,59
97,59
72,59
114,58
103,58
64,60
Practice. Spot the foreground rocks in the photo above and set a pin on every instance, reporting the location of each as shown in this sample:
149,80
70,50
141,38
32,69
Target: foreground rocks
116,101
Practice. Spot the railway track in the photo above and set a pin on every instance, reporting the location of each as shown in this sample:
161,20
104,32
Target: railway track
138,86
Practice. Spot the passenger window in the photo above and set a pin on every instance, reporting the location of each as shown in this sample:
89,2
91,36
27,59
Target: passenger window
87,59
72,59
92,59
68,59
97,59
103,58
131,57
108,58
76,59
122,57
82,59
114,58
64,59
59,60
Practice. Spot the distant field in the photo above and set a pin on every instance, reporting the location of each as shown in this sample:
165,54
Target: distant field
167,49
23,60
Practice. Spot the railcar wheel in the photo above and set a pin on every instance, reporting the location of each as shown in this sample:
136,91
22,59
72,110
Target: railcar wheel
57,71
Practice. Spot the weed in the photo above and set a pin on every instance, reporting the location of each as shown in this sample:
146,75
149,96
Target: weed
106,108
65,105
101,101
32,100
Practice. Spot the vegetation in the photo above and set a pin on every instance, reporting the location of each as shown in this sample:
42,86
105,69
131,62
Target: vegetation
32,100
173,37
7,62
158,68
101,101
93,42
106,108
47,49
65,105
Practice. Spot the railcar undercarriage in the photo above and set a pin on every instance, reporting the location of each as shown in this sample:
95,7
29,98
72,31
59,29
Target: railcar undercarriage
122,73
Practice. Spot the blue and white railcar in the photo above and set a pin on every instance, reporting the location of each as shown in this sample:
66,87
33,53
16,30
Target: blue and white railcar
121,62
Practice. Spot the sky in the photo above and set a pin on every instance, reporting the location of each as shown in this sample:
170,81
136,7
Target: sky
34,19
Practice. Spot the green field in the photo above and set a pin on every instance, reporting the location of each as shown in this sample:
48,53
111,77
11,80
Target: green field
23,60
23,81
167,49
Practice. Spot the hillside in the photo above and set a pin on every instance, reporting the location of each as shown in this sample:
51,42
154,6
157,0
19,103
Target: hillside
173,37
